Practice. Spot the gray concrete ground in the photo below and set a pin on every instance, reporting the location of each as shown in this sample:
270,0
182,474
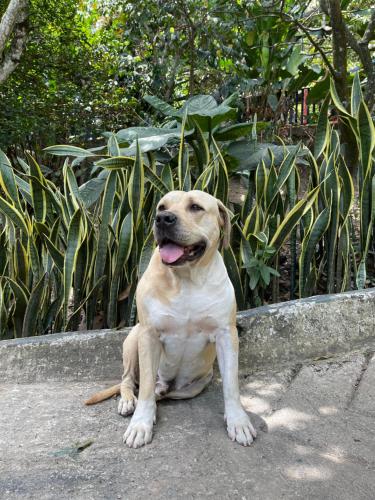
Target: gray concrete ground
316,440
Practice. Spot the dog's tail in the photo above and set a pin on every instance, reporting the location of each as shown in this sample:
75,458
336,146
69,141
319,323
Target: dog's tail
102,395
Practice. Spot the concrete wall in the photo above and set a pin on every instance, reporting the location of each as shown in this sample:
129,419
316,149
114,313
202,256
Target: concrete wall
275,334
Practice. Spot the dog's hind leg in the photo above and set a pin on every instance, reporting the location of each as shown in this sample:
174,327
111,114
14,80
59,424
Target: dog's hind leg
130,378
191,390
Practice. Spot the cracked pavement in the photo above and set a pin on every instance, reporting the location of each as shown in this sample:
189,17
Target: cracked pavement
316,439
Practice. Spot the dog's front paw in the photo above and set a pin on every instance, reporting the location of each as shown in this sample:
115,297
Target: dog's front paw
127,406
138,434
139,431
240,428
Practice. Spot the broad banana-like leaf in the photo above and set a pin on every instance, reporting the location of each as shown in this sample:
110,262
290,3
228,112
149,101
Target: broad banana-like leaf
91,190
235,131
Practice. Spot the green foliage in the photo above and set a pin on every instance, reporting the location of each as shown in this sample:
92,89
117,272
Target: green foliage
72,254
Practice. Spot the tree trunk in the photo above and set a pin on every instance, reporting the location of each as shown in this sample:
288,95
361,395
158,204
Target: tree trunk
13,29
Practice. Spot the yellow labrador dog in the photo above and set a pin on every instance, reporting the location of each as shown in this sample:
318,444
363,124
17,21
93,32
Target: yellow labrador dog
187,315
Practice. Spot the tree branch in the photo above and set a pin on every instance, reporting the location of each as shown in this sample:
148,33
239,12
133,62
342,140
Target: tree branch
370,30
290,19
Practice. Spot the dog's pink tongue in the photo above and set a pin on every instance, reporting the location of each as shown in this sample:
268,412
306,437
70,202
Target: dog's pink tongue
171,252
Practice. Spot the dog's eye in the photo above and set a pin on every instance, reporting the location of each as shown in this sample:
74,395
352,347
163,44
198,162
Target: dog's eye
195,208
161,208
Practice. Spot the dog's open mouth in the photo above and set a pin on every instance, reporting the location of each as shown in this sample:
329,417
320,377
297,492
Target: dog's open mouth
176,254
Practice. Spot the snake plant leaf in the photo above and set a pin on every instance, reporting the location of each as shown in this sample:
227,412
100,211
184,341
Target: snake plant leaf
309,244
346,192
57,256
336,99
123,253
156,181
183,170
25,190
146,254
322,129
361,275
116,162
343,248
107,207
260,182
366,132
75,313
52,313
365,200
222,179
32,313
21,294
136,188
285,171
356,95
66,150
234,276
201,148
21,262
16,217
70,258
21,298
292,219
113,146
8,181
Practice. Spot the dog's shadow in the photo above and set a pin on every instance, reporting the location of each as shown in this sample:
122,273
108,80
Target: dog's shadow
209,404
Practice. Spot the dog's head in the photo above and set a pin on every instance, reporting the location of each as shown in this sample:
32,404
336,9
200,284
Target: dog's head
189,226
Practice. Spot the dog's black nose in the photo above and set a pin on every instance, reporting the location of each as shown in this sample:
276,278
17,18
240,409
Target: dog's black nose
165,219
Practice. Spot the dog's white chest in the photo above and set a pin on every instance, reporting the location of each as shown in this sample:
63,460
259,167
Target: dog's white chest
193,312
187,328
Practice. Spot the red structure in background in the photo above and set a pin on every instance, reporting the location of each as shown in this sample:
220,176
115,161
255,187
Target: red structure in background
305,108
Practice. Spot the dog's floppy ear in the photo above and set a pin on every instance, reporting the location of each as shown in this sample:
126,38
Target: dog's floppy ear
224,221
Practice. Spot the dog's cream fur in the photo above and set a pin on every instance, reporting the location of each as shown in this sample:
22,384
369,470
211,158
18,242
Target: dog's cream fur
187,316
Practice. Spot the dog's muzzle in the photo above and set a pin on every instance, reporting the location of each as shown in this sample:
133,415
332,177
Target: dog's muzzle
172,251
165,220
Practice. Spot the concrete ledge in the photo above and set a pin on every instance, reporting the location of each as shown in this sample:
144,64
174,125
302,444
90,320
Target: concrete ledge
280,333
